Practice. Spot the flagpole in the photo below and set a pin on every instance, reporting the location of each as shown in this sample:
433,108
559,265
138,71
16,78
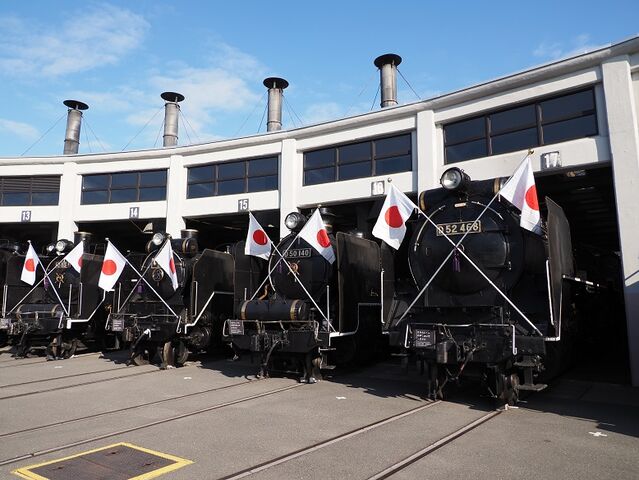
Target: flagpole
55,290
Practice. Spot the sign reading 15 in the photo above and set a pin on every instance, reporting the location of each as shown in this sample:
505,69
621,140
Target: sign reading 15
243,205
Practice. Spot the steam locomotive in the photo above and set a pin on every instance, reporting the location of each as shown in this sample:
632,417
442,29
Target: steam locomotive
156,320
506,321
62,311
313,314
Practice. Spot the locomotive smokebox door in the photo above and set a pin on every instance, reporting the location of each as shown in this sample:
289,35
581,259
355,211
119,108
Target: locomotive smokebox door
559,259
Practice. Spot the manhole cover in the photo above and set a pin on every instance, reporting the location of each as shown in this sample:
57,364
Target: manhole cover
121,461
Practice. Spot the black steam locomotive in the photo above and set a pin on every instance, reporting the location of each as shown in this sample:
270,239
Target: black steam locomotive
311,313
158,321
63,310
461,324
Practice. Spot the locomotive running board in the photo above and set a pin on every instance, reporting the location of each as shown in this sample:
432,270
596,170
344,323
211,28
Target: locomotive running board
532,387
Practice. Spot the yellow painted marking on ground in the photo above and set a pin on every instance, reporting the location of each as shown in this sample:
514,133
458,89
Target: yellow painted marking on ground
25,472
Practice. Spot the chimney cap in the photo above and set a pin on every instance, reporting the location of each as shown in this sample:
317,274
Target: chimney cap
275,82
76,105
387,58
172,97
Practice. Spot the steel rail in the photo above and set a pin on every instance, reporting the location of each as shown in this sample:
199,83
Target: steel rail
211,408
325,443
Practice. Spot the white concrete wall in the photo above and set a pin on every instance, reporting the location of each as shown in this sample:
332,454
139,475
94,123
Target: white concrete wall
624,144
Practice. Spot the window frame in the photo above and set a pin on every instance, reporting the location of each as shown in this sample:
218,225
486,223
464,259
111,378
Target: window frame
244,177
539,123
374,157
30,192
110,188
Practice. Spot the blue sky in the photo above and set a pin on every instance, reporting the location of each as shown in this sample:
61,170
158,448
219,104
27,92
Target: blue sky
118,56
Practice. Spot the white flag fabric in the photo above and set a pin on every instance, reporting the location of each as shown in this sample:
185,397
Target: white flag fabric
391,223
314,232
257,242
112,267
164,259
74,257
520,190
31,262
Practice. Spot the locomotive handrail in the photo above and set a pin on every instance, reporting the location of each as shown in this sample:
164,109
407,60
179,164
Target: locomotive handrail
197,319
71,321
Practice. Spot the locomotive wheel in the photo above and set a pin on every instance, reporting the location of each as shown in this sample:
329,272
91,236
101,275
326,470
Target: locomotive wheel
167,357
139,356
510,393
181,354
69,348
22,348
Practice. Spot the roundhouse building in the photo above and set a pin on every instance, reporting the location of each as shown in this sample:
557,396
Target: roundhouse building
581,116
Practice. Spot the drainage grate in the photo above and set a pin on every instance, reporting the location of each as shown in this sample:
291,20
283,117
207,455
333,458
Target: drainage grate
121,461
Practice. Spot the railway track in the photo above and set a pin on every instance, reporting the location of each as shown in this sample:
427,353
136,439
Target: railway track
392,469
21,362
173,418
65,387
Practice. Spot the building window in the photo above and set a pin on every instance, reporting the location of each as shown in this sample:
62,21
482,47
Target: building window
227,178
28,191
543,122
124,187
358,160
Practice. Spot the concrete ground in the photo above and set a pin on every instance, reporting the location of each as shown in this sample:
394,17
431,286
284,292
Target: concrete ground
216,414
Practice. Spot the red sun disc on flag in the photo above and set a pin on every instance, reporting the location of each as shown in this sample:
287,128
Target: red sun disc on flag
393,217
109,267
322,238
80,262
30,265
531,198
259,237
172,265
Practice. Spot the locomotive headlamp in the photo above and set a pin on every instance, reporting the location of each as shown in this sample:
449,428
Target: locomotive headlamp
50,248
158,239
454,179
61,246
294,221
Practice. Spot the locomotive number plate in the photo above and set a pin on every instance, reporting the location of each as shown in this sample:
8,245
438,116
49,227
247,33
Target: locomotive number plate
117,325
298,253
458,228
423,338
4,323
236,327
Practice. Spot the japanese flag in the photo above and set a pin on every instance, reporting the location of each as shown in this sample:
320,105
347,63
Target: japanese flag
31,262
164,259
112,267
257,242
520,190
74,257
314,232
391,223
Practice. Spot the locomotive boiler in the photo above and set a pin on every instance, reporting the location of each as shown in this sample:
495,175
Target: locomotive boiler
64,310
158,321
482,295
312,313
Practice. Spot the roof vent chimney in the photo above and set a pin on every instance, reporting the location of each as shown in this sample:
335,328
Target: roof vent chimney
171,117
74,122
387,65
275,87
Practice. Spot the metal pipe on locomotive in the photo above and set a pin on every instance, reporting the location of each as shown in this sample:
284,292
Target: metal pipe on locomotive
493,297
312,313
156,319
63,310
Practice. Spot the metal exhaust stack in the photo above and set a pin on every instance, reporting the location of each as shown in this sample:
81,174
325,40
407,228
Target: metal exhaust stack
275,87
387,65
171,117
74,122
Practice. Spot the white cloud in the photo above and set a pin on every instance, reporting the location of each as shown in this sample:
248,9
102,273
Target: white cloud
97,36
22,130
575,46
321,112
